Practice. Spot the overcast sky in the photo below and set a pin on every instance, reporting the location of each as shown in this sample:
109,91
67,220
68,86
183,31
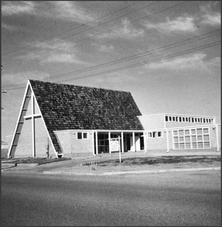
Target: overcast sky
167,54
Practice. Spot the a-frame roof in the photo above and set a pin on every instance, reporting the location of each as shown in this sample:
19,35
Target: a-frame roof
70,107
66,106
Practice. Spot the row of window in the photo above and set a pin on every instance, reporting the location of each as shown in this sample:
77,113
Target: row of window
82,135
191,138
188,119
155,134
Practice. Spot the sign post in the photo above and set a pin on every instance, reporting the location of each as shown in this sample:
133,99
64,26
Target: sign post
115,146
119,151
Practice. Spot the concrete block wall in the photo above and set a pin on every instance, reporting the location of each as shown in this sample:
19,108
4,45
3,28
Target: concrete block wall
72,146
185,124
158,143
82,145
152,121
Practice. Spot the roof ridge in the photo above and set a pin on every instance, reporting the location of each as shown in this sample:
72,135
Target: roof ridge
106,89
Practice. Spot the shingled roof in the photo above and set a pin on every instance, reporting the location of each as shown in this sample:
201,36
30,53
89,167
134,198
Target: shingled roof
66,106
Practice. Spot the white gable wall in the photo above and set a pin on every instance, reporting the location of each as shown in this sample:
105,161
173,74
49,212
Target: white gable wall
24,148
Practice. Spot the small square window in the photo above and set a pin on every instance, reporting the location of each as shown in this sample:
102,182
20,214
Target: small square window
79,135
159,134
150,134
85,135
82,135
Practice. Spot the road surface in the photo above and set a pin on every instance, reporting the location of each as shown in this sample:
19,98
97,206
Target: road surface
166,199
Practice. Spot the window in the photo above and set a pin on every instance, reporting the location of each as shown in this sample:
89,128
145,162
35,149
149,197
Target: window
79,135
155,134
173,118
198,138
150,135
166,118
82,135
169,118
180,119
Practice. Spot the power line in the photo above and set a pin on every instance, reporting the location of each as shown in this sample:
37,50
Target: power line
159,59
160,49
80,26
55,41
109,29
150,61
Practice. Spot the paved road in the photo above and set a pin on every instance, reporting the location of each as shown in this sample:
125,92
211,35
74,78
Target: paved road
167,199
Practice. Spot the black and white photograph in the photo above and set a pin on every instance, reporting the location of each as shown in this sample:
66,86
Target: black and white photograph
110,113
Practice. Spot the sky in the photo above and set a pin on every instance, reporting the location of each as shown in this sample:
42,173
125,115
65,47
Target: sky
166,53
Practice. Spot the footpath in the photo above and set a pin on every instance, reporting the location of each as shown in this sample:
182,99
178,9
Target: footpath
131,163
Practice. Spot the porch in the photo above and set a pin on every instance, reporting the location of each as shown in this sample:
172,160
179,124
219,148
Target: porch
118,141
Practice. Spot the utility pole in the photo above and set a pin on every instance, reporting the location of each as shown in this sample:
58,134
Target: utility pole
4,90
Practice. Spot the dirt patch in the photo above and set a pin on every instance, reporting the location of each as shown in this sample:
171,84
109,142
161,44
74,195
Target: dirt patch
155,161
40,161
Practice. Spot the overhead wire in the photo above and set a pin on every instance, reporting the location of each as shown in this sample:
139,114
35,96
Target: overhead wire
55,41
80,26
150,61
159,59
156,50
109,29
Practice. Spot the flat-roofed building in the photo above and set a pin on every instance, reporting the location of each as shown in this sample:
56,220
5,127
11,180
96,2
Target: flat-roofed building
181,132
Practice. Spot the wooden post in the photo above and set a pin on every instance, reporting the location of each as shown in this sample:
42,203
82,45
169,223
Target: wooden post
145,142
119,150
134,145
122,142
109,142
93,143
96,142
